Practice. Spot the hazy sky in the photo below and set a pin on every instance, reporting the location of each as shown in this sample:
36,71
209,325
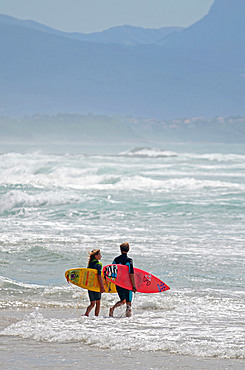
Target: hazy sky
97,15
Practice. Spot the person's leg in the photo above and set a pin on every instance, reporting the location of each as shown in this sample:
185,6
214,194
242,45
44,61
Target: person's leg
89,308
128,305
97,308
118,304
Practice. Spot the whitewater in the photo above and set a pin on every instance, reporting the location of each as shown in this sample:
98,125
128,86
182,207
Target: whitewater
182,210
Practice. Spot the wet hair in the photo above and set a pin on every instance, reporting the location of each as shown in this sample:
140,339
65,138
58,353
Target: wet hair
124,247
92,255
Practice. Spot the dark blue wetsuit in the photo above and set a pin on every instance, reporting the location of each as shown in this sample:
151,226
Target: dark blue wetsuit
95,264
123,259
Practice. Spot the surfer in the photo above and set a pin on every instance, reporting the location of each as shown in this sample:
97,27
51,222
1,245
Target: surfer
95,297
124,294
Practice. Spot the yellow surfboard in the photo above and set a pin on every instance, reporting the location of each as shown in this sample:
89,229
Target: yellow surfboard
88,279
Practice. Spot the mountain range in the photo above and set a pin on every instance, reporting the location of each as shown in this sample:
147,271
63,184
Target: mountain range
165,73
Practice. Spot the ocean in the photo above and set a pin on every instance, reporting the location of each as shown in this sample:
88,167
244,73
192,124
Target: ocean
182,210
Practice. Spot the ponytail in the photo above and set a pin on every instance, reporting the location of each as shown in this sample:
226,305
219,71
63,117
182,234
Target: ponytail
92,255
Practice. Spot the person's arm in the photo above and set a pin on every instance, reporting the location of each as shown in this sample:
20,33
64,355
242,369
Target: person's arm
99,268
131,274
102,289
133,282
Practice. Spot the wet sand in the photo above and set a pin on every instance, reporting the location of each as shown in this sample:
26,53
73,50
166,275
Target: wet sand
19,353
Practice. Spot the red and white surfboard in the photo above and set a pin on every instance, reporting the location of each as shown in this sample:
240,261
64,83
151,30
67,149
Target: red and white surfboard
145,282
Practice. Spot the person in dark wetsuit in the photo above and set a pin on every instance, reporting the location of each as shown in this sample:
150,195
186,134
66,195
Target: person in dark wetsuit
124,294
95,297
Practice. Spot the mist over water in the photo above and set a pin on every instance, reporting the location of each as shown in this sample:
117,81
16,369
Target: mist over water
183,213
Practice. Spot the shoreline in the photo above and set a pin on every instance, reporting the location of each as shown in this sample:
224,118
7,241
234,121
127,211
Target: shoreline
25,354
21,353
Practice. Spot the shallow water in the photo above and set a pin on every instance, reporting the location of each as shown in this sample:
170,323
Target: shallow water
183,213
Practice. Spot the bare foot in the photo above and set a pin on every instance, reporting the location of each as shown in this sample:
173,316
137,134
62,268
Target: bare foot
111,312
128,311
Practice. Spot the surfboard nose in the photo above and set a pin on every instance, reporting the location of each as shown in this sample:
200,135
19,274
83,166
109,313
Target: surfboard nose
67,276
